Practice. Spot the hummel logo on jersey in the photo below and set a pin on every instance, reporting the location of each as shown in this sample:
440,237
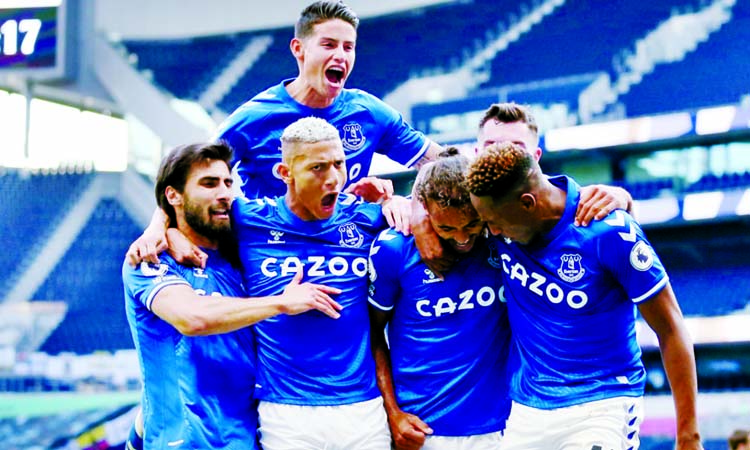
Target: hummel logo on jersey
570,268
618,220
350,236
198,273
276,237
431,278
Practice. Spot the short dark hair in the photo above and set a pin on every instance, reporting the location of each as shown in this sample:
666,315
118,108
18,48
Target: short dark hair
323,11
510,113
738,437
176,166
443,181
499,170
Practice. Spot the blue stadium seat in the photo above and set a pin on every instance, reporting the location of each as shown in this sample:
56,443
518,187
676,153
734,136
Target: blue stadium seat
185,67
33,204
717,72
699,293
88,278
275,64
582,36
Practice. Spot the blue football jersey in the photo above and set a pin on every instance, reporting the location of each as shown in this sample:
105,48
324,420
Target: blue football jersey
367,125
572,299
310,358
449,339
197,391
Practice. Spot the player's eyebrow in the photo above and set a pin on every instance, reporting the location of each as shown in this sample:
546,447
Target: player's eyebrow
209,179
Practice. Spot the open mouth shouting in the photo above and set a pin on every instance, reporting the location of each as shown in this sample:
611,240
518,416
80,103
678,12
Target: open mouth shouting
335,75
328,202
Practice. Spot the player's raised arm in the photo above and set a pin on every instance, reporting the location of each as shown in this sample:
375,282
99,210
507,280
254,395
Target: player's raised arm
663,315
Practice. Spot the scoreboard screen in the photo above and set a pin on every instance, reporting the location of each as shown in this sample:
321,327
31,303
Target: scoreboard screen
32,34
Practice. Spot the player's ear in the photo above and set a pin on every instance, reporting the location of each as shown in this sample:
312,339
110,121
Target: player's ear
296,47
528,201
283,171
173,197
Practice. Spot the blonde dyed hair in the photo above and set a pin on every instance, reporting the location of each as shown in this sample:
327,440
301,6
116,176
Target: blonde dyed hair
309,130
500,169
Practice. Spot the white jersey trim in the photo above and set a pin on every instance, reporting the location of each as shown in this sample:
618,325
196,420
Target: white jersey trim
652,291
419,154
158,288
378,305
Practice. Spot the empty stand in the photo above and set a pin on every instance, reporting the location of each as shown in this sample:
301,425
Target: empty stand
89,279
185,67
275,64
717,72
32,205
582,36
711,291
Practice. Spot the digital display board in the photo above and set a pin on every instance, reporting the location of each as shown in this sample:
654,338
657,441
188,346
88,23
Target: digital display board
32,36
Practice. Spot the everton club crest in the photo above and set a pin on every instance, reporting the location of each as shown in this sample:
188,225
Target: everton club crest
353,138
350,236
570,269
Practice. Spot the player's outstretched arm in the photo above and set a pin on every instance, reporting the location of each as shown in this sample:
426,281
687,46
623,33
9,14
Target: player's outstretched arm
598,200
301,297
407,430
663,315
194,315
372,189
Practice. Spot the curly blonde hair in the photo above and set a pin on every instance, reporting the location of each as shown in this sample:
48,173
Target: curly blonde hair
499,170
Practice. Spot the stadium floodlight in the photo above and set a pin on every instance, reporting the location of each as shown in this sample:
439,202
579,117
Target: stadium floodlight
32,38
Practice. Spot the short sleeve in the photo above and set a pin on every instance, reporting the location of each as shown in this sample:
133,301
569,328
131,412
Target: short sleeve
386,261
147,280
626,253
400,142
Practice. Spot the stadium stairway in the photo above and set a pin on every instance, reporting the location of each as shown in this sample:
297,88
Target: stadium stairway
80,262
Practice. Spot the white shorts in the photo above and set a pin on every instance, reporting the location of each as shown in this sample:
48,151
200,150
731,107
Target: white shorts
489,441
358,426
609,424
